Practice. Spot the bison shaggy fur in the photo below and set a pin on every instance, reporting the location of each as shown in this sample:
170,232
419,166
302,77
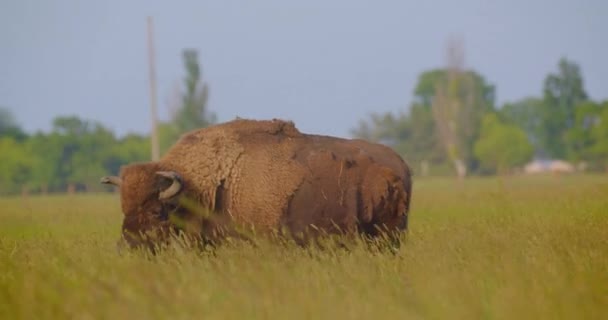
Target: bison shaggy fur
264,176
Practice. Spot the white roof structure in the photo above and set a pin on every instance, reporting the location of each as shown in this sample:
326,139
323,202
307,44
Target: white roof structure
543,166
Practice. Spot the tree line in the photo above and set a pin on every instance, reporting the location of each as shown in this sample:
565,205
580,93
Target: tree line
77,152
453,125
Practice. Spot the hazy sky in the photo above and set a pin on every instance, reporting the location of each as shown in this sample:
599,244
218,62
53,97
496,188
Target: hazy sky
324,64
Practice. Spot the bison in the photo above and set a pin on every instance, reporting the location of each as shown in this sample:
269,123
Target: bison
264,175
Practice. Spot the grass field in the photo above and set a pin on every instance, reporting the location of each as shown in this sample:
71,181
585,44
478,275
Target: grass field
495,248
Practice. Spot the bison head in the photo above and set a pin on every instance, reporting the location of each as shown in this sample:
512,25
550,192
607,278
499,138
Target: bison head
149,196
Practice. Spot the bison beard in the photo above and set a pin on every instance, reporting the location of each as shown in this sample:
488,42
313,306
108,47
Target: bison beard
218,181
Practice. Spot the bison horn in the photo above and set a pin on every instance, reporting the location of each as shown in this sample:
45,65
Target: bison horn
174,188
111,180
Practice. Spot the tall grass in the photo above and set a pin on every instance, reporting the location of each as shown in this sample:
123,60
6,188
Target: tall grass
492,248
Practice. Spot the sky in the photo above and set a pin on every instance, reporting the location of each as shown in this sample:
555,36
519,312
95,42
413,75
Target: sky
325,64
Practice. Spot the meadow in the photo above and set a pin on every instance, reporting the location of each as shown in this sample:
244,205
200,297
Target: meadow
484,248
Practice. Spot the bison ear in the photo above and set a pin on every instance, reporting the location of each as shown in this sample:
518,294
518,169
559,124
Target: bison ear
111,180
170,185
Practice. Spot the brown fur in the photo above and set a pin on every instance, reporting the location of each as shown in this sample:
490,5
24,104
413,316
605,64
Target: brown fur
267,175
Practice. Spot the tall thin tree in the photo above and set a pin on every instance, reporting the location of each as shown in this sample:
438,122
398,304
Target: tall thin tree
193,113
454,106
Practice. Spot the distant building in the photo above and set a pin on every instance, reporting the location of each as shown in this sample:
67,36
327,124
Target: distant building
545,166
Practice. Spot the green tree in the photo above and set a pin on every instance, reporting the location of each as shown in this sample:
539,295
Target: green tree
586,139
82,148
425,90
501,145
193,112
414,134
15,165
579,138
9,127
527,114
562,92
46,151
67,133
94,147
422,144
168,134
599,149
387,128
471,87
461,99
72,156
128,149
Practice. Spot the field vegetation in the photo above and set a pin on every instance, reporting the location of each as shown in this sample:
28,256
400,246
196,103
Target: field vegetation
482,248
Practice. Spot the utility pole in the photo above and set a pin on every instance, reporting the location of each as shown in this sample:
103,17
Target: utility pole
152,74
